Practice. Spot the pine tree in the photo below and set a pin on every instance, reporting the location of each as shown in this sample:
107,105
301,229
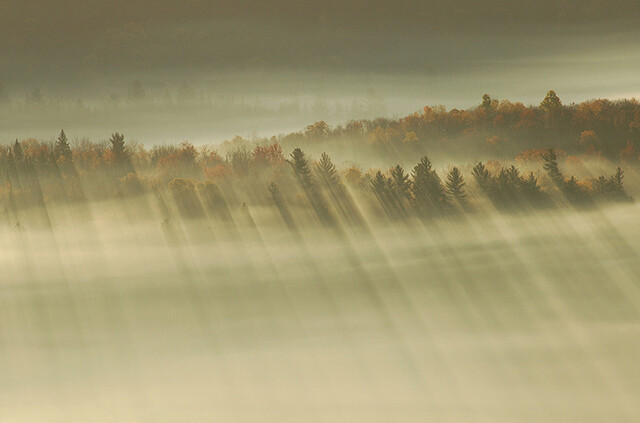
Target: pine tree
117,146
427,189
455,186
400,182
551,166
531,191
17,151
274,193
300,166
62,147
481,175
379,184
612,188
327,172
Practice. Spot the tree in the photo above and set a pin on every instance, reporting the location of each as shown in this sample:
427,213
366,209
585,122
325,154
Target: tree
379,186
455,186
62,147
612,187
531,191
400,182
300,166
240,161
486,102
274,193
327,172
551,102
117,146
319,130
551,166
17,151
481,175
427,189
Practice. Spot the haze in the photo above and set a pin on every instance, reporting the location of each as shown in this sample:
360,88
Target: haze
319,211
412,54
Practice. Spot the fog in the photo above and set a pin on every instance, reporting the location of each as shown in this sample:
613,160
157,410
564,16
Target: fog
322,211
412,54
490,317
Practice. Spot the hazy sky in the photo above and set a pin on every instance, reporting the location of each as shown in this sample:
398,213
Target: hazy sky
413,52
65,38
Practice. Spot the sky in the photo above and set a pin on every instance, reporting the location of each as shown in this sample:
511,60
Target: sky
413,52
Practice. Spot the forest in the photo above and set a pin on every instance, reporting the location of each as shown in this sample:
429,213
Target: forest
526,172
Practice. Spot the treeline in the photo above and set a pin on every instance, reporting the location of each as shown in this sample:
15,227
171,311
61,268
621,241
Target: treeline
495,128
195,183
198,103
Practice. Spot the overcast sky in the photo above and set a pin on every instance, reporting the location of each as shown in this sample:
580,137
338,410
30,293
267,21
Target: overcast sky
503,45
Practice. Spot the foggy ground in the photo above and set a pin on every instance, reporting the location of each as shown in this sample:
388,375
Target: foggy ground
483,318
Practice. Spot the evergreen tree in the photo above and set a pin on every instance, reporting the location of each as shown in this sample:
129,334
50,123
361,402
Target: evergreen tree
380,187
274,193
300,166
327,172
455,186
62,147
379,184
117,146
551,166
400,182
617,180
481,175
531,191
17,151
612,188
427,188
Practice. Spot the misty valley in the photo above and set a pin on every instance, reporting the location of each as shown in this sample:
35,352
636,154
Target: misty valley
449,265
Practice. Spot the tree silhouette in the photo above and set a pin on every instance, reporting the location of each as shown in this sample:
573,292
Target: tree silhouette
327,172
117,146
300,166
551,102
612,188
301,171
455,186
486,102
427,189
62,147
551,166
17,151
380,187
400,182
481,175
